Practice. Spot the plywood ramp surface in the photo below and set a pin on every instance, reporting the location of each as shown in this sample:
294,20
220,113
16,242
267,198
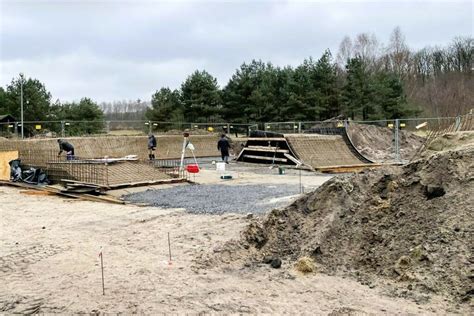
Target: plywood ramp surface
322,150
5,158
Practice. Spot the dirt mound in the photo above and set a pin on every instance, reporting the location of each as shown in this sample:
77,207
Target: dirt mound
449,141
376,143
410,228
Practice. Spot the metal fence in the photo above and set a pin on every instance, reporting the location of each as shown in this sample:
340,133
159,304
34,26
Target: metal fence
394,140
84,128
382,140
409,124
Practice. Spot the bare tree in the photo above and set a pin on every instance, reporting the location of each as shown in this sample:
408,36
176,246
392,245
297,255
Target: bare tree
345,51
366,46
398,53
462,54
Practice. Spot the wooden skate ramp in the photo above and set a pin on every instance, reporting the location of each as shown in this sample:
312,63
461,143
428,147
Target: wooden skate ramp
326,151
168,146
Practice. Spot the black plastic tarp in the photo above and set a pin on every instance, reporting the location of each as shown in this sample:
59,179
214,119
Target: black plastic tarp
29,175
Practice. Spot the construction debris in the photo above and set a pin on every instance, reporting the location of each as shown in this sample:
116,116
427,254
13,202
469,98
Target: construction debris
49,190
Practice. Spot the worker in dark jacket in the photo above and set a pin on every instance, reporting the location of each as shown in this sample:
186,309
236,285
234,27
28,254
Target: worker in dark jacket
151,147
67,147
223,145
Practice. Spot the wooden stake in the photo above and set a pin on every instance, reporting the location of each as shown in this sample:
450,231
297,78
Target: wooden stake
301,188
102,268
169,246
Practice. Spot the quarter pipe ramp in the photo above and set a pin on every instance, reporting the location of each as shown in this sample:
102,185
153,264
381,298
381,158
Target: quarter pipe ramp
317,151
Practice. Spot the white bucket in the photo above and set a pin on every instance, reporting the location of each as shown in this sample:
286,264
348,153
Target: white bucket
220,166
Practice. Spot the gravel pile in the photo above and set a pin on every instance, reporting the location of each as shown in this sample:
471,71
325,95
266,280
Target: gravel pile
219,199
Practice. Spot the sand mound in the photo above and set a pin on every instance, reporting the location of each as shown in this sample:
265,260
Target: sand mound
376,143
407,227
449,141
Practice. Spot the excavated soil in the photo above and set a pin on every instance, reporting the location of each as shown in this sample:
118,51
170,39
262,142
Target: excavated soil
449,141
376,143
407,229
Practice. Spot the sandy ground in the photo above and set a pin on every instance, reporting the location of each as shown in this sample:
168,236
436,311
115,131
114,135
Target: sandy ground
49,263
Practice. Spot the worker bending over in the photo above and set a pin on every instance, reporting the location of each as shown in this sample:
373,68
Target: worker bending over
67,147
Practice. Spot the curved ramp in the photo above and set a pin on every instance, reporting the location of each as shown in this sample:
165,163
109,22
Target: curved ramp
333,153
326,151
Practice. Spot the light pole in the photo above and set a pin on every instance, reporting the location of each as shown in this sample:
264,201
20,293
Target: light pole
21,101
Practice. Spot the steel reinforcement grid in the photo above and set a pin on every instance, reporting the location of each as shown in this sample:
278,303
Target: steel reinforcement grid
100,172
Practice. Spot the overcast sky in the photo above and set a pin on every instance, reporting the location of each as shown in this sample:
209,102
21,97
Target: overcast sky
113,50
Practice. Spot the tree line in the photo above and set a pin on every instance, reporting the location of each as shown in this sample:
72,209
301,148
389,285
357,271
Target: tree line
38,107
365,81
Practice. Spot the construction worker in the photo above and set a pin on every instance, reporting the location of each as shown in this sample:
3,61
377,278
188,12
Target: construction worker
223,145
151,147
67,147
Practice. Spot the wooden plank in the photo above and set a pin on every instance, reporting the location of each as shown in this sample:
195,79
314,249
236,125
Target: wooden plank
18,184
86,197
78,182
36,187
72,182
266,149
240,154
368,165
266,158
53,190
345,169
142,183
36,192
275,139
5,158
290,157
100,198
78,185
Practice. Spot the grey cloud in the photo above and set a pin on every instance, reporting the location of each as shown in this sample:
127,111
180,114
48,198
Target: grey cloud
127,49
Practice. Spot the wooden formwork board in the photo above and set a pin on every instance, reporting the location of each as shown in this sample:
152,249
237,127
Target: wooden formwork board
347,169
265,158
5,158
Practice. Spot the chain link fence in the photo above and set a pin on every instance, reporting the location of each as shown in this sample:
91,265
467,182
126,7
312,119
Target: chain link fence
47,129
381,140
396,140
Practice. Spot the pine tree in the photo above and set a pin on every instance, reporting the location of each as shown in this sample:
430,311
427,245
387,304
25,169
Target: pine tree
201,97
